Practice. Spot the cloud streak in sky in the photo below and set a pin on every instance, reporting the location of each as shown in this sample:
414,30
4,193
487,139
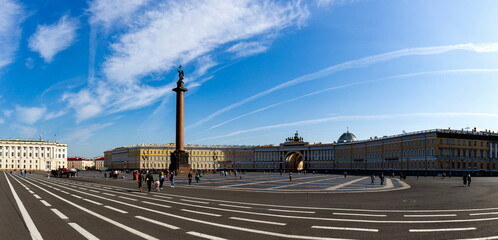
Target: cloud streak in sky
157,40
48,40
11,17
452,71
358,63
351,118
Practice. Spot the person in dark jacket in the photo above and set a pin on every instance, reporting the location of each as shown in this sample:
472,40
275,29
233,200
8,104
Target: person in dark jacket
469,180
149,179
465,179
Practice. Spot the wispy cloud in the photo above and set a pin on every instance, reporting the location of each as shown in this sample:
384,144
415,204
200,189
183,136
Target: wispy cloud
11,17
350,118
29,115
111,12
408,75
83,134
244,49
24,131
158,40
2,121
359,63
48,40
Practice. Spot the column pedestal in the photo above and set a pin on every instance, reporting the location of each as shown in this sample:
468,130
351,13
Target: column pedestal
179,162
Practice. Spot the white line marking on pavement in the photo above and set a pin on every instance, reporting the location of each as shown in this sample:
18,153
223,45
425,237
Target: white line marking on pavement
158,223
268,233
91,201
131,199
443,229
488,213
483,238
33,231
83,232
115,209
360,214
203,213
109,194
31,192
36,196
345,184
157,204
63,192
120,225
432,215
235,206
202,235
59,214
194,201
258,221
300,183
347,229
76,196
95,191
45,203
290,211
254,183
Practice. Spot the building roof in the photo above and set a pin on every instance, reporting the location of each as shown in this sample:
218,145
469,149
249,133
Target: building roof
77,159
346,137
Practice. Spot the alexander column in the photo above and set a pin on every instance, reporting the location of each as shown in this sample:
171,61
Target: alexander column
179,158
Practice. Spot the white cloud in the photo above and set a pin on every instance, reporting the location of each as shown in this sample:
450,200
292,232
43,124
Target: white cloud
52,115
29,63
358,63
24,131
165,34
111,12
48,40
8,113
85,133
354,117
244,49
174,33
452,71
11,17
29,115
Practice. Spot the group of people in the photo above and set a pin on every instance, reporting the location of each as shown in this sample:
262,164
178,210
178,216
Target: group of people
467,179
148,178
381,177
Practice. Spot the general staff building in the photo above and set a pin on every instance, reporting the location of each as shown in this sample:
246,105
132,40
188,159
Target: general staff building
423,152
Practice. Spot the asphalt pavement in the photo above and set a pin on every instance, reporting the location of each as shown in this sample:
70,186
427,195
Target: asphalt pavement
258,206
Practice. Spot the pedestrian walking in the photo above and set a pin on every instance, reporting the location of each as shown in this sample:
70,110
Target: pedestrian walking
157,184
161,180
197,178
465,179
381,179
469,180
345,174
105,175
290,176
140,179
189,178
172,179
149,179
372,178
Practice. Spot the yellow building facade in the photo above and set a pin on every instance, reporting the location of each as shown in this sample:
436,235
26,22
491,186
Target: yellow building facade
423,152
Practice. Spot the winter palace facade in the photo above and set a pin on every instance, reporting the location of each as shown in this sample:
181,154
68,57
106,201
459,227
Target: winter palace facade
32,155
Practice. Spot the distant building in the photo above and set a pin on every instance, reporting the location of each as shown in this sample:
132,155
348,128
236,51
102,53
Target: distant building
79,163
423,152
32,155
99,163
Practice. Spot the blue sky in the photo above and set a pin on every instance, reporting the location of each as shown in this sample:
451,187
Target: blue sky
98,74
